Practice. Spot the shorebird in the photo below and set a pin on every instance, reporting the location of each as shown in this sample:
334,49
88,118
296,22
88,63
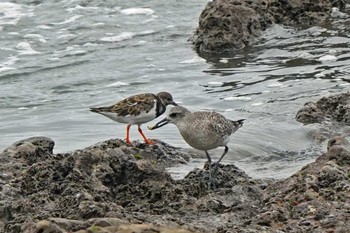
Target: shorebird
137,110
202,131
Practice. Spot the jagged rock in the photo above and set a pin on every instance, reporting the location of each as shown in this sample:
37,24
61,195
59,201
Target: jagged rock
106,188
310,114
111,180
315,199
226,25
335,107
101,226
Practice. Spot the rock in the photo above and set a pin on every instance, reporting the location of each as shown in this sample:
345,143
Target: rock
335,107
48,192
46,226
227,25
106,188
310,114
331,115
318,193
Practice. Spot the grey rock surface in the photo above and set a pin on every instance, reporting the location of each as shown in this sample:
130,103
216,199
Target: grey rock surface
335,108
112,186
228,25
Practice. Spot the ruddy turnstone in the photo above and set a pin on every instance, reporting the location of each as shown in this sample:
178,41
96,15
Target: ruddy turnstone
136,110
202,131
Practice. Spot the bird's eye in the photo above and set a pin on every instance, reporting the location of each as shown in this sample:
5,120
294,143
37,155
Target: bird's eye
173,115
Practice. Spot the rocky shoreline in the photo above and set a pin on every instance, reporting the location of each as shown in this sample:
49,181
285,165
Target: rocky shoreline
115,187
228,25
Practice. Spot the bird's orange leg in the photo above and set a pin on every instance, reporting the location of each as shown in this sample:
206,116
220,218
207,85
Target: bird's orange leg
127,134
147,141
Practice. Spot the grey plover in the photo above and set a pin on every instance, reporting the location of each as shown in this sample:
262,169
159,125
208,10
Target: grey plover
202,130
137,110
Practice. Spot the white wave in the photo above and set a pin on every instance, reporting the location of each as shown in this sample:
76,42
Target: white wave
36,36
79,7
53,59
327,58
11,61
215,84
257,104
122,36
98,24
10,13
3,69
89,44
276,84
64,36
70,20
118,84
5,66
305,55
78,52
145,33
320,75
142,42
223,60
13,33
137,11
240,98
152,18
193,60
26,49
44,27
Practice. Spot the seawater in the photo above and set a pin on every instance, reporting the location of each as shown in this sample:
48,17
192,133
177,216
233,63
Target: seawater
59,58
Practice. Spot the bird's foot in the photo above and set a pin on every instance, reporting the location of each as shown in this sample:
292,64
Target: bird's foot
215,170
127,140
150,142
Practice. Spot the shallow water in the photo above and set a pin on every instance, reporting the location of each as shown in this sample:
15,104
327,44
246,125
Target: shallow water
57,59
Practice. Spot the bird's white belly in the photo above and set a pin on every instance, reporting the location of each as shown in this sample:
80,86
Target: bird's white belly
128,119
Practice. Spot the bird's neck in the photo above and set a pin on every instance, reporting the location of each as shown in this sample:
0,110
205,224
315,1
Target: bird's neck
160,108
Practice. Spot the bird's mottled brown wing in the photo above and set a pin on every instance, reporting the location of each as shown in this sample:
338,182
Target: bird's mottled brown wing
215,122
134,105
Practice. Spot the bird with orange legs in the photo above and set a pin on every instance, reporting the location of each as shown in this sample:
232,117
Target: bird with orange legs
137,110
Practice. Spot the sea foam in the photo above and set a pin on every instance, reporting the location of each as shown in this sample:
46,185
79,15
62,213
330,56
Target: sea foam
137,11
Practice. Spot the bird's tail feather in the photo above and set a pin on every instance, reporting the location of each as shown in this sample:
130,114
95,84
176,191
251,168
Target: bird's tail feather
99,110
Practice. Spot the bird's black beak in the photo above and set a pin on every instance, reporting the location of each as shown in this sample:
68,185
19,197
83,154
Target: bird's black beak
175,104
159,124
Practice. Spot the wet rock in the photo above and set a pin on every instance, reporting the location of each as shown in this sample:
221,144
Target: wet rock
226,25
106,188
108,226
310,114
111,180
319,193
335,107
